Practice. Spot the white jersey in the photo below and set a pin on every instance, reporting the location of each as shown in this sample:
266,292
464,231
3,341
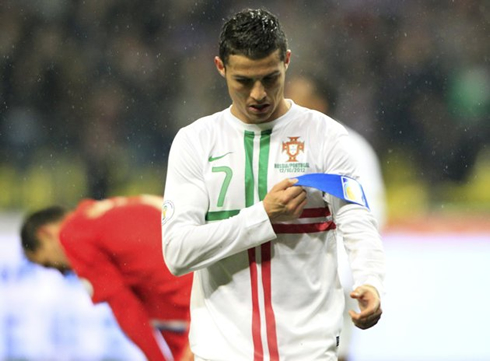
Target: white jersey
370,175
369,170
263,291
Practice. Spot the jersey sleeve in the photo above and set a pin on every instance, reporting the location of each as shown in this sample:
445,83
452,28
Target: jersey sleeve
362,243
371,176
356,224
135,323
189,243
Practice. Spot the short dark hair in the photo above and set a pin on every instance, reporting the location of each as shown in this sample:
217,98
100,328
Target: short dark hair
32,223
253,33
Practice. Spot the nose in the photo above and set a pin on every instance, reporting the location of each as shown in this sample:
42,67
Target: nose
258,91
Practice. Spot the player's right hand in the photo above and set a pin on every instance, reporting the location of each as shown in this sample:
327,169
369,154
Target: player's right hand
285,202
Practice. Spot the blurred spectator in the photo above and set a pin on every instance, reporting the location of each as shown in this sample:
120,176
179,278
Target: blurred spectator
101,137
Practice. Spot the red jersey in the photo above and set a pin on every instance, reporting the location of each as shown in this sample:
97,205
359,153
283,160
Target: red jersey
115,245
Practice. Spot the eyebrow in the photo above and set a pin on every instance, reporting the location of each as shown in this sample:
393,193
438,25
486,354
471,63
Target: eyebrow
270,75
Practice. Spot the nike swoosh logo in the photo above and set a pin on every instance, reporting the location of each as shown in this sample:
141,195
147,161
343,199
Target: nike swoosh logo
212,159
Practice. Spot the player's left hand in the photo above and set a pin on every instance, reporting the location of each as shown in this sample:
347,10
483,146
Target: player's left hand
370,305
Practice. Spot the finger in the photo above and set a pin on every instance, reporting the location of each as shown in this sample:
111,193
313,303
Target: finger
370,309
372,313
358,293
294,192
368,304
288,195
354,315
365,297
299,207
364,290
284,184
295,197
365,322
361,315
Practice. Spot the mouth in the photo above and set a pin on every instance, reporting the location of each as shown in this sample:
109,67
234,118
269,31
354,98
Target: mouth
259,108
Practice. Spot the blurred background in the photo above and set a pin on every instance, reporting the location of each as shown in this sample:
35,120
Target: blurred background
93,92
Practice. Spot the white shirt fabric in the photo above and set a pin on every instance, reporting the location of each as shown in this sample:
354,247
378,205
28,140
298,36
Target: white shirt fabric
263,291
371,177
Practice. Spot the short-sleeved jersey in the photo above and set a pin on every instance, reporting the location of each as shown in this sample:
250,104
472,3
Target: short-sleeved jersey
263,291
115,244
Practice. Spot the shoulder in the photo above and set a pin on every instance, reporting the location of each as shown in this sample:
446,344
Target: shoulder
316,121
199,134
203,124
82,224
360,144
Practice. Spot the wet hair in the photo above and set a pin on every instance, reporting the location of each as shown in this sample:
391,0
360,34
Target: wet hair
32,223
253,33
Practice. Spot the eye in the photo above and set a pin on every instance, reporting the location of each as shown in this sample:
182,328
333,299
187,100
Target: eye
244,81
271,79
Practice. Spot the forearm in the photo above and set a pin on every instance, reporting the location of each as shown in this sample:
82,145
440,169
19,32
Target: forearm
363,244
189,246
135,323
190,241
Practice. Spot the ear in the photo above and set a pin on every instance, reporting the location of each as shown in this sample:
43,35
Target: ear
43,232
287,60
220,66
48,232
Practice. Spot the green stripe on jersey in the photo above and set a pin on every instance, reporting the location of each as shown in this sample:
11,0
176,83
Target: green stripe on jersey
249,172
248,142
220,215
265,141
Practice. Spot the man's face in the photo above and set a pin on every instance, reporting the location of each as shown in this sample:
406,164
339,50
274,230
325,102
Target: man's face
49,254
256,87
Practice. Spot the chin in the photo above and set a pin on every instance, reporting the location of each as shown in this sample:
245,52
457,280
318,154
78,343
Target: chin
260,118
64,271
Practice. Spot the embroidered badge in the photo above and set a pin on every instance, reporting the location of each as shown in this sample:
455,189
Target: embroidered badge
293,148
168,211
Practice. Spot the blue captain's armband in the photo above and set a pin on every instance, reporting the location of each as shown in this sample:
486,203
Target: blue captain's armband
339,186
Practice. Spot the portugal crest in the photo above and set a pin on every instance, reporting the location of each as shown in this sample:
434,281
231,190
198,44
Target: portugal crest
292,148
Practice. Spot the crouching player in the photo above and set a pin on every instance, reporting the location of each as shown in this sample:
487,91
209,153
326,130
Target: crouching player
114,247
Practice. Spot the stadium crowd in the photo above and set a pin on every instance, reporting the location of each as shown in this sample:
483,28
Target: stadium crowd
111,81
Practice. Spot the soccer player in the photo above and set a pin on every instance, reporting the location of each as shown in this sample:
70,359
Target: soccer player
114,247
263,250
